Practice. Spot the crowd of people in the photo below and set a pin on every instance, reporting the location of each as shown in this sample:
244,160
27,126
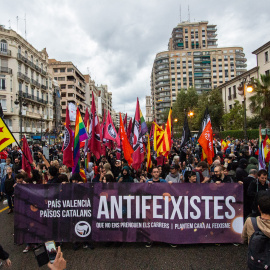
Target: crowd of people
238,163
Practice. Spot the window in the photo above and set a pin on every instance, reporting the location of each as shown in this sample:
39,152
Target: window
62,86
55,70
3,46
19,68
26,55
37,94
62,70
267,72
2,83
61,78
3,102
70,70
32,91
26,89
266,57
19,49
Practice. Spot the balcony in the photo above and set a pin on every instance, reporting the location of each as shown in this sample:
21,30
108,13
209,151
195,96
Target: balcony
5,70
35,83
28,129
44,87
32,98
23,77
5,53
23,59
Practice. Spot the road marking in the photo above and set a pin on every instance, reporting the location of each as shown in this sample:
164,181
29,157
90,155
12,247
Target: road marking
2,210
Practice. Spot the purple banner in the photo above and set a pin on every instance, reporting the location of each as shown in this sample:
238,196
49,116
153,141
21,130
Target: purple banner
176,214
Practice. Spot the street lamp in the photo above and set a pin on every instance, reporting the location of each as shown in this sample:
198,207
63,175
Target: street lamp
41,120
190,113
20,101
244,88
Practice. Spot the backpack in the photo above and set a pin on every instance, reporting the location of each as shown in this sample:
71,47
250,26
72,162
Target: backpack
258,249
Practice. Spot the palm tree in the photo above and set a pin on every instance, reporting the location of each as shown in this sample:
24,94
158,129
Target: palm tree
260,100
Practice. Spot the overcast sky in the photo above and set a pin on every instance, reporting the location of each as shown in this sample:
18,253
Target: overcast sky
117,40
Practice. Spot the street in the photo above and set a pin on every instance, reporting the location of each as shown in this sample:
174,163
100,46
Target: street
128,255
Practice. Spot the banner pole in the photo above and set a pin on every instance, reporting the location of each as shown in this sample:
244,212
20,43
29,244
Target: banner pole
16,141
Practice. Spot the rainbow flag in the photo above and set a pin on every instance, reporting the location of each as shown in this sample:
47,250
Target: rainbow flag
261,158
79,136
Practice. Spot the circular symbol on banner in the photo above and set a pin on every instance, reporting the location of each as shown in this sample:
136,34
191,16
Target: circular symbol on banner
66,139
111,131
82,229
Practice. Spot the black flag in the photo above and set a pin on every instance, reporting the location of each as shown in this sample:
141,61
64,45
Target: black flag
185,136
205,120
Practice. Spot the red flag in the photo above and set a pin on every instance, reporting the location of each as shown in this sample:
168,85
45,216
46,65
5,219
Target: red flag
129,129
94,143
110,131
206,142
27,155
127,149
137,140
68,143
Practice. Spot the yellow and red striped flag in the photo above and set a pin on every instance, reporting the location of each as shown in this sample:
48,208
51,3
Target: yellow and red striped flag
158,139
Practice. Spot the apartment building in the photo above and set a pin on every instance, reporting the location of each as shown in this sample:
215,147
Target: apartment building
104,100
149,115
26,90
192,60
229,89
72,85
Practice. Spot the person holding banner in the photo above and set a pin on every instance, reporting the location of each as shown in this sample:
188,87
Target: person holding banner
5,257
7,187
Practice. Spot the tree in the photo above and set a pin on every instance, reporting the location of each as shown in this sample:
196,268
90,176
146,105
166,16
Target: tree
186,100
260,100
235,118
212,100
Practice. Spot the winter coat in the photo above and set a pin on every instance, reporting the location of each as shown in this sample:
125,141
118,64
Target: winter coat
252,164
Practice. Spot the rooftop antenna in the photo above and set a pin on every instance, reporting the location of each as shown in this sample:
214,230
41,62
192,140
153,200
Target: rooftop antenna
188,14
180,14
25,26
17,18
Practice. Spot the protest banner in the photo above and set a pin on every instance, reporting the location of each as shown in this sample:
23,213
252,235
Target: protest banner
177,213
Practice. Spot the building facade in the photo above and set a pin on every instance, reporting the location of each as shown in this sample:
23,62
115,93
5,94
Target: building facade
230,94
26,89
148,115
192,60
104,100
72,85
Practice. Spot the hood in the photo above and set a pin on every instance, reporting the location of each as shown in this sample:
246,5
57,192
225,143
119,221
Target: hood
107,167
126,168
253,160
264,226
243,163
90,166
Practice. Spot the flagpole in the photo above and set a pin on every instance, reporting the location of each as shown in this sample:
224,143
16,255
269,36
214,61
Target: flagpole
16,141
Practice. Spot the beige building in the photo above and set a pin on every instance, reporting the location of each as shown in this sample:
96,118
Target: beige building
24,80
149,114
104,100
192,60
229,89
72,85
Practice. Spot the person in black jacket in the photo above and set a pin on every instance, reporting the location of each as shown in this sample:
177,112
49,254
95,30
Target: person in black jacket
5,257
247,201
261,184
241,172
219,176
